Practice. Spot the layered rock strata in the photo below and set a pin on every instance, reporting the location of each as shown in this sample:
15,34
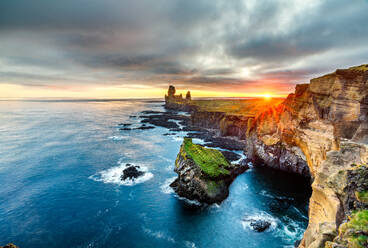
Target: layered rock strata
321,130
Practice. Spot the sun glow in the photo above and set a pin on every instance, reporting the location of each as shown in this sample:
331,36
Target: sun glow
267,96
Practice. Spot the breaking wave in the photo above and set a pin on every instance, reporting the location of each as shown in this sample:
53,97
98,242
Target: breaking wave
247,220
113,175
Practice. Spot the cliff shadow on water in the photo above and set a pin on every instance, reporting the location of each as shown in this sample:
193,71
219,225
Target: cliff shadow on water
286,188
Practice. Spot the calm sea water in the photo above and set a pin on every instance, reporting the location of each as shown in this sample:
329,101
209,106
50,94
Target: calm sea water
59,168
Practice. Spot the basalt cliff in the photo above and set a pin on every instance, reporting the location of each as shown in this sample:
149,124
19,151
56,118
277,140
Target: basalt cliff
321,131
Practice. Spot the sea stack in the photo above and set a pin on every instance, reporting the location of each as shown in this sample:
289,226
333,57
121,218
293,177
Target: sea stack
204,174
177,102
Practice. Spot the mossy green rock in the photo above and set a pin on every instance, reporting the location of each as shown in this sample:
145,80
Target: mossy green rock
203,174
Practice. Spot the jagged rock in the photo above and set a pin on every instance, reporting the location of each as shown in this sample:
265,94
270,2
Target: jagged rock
203,174
260,225
171,91
231,156
124,124
144,127
131,172
10,245
188,96
125,129
177,102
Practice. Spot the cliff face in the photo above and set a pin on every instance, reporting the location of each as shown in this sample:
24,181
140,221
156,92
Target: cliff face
321,128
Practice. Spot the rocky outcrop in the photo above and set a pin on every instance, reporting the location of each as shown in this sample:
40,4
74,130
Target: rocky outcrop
321,129
10,245
203,174
177,102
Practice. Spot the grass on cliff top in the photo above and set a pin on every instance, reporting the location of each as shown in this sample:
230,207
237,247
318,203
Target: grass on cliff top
356,229
245,107
212,162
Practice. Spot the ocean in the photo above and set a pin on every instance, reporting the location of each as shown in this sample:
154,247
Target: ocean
60,167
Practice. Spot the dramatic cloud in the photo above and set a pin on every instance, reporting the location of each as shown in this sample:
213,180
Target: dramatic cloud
202,44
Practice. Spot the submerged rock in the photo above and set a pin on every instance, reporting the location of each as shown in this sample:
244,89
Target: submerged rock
144,127
131,172
259,225
10,245
125,129
124,124
203,174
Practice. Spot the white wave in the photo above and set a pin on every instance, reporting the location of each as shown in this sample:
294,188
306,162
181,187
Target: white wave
190,202
159,235
189,244
113,175
118,137
266,194
165,187
247,220
290,230
299,213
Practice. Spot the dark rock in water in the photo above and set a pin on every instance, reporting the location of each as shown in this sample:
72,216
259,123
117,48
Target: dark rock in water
10,245
131,172
124,124
175,129
167,134
164,119
244,162
144,127
125,129
231,156
260,225
132,116
297,243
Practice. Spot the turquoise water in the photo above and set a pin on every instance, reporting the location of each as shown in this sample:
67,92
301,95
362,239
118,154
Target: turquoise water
59,168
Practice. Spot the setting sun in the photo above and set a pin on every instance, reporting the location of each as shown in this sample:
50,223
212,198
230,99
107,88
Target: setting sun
267,96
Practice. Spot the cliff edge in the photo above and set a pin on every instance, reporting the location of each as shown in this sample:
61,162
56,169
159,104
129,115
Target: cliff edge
321,129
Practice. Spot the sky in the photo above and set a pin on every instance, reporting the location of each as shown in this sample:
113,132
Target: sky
136,48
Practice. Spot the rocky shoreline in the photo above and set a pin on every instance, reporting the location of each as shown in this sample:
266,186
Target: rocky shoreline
320,131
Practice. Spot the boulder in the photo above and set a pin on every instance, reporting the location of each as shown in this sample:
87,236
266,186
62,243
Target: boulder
260,225
131,172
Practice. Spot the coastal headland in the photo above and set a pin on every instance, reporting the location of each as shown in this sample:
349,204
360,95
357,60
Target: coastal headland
319,131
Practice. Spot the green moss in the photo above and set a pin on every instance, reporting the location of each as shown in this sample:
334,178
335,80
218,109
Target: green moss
362,196
356,230
212,162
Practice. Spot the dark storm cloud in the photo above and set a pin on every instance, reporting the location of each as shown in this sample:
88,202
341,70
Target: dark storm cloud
202,43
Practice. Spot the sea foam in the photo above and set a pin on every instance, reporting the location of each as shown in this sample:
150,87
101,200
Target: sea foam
247,220
113,175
